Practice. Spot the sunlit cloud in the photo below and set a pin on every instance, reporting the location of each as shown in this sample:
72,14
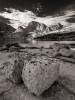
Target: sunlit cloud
22,18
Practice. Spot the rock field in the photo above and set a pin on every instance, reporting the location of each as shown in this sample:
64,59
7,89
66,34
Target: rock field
34,74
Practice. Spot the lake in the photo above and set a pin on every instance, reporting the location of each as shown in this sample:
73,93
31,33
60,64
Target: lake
46,44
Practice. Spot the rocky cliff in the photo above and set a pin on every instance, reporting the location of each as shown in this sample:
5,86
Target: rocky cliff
4,29
36,29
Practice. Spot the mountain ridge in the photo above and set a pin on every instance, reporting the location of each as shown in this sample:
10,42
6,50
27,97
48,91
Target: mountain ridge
16,18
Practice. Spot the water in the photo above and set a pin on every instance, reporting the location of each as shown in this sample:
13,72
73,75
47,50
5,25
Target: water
46,44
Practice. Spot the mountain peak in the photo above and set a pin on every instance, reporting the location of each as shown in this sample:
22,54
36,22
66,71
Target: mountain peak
19,29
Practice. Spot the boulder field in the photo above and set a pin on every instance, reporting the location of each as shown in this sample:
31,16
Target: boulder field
44,71
37,70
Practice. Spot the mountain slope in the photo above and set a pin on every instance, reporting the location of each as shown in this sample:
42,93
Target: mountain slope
36,29
4,29
23,18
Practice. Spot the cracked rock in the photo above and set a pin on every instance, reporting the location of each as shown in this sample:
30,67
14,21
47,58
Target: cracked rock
11,69
40,73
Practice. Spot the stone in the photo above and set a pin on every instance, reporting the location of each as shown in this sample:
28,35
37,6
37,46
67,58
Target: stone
11,69
57,46
3,48
13,48
56,54
5,85
74,55
66,52
40,73
67,76
67,46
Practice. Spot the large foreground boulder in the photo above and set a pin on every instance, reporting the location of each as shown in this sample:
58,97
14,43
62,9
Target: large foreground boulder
40,73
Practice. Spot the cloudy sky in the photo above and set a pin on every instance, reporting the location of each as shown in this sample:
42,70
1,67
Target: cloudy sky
41,6
16,15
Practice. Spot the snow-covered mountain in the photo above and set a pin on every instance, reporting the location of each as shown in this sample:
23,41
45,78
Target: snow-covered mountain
18,18
23,18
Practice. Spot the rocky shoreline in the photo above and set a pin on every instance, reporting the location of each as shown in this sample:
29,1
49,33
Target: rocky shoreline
27,73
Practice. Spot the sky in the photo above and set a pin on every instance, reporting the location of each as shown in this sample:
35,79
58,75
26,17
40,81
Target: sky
37,6
17,17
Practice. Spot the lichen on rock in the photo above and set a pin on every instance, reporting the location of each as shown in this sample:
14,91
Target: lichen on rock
12,69
40,73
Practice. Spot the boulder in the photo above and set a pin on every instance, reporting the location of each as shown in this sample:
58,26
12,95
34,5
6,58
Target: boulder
67,46
11,69
40,73
74,55
57,46
66,52
3,48
5,85
56,54
13,48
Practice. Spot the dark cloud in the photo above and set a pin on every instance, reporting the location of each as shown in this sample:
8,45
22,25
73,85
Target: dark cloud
38,6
